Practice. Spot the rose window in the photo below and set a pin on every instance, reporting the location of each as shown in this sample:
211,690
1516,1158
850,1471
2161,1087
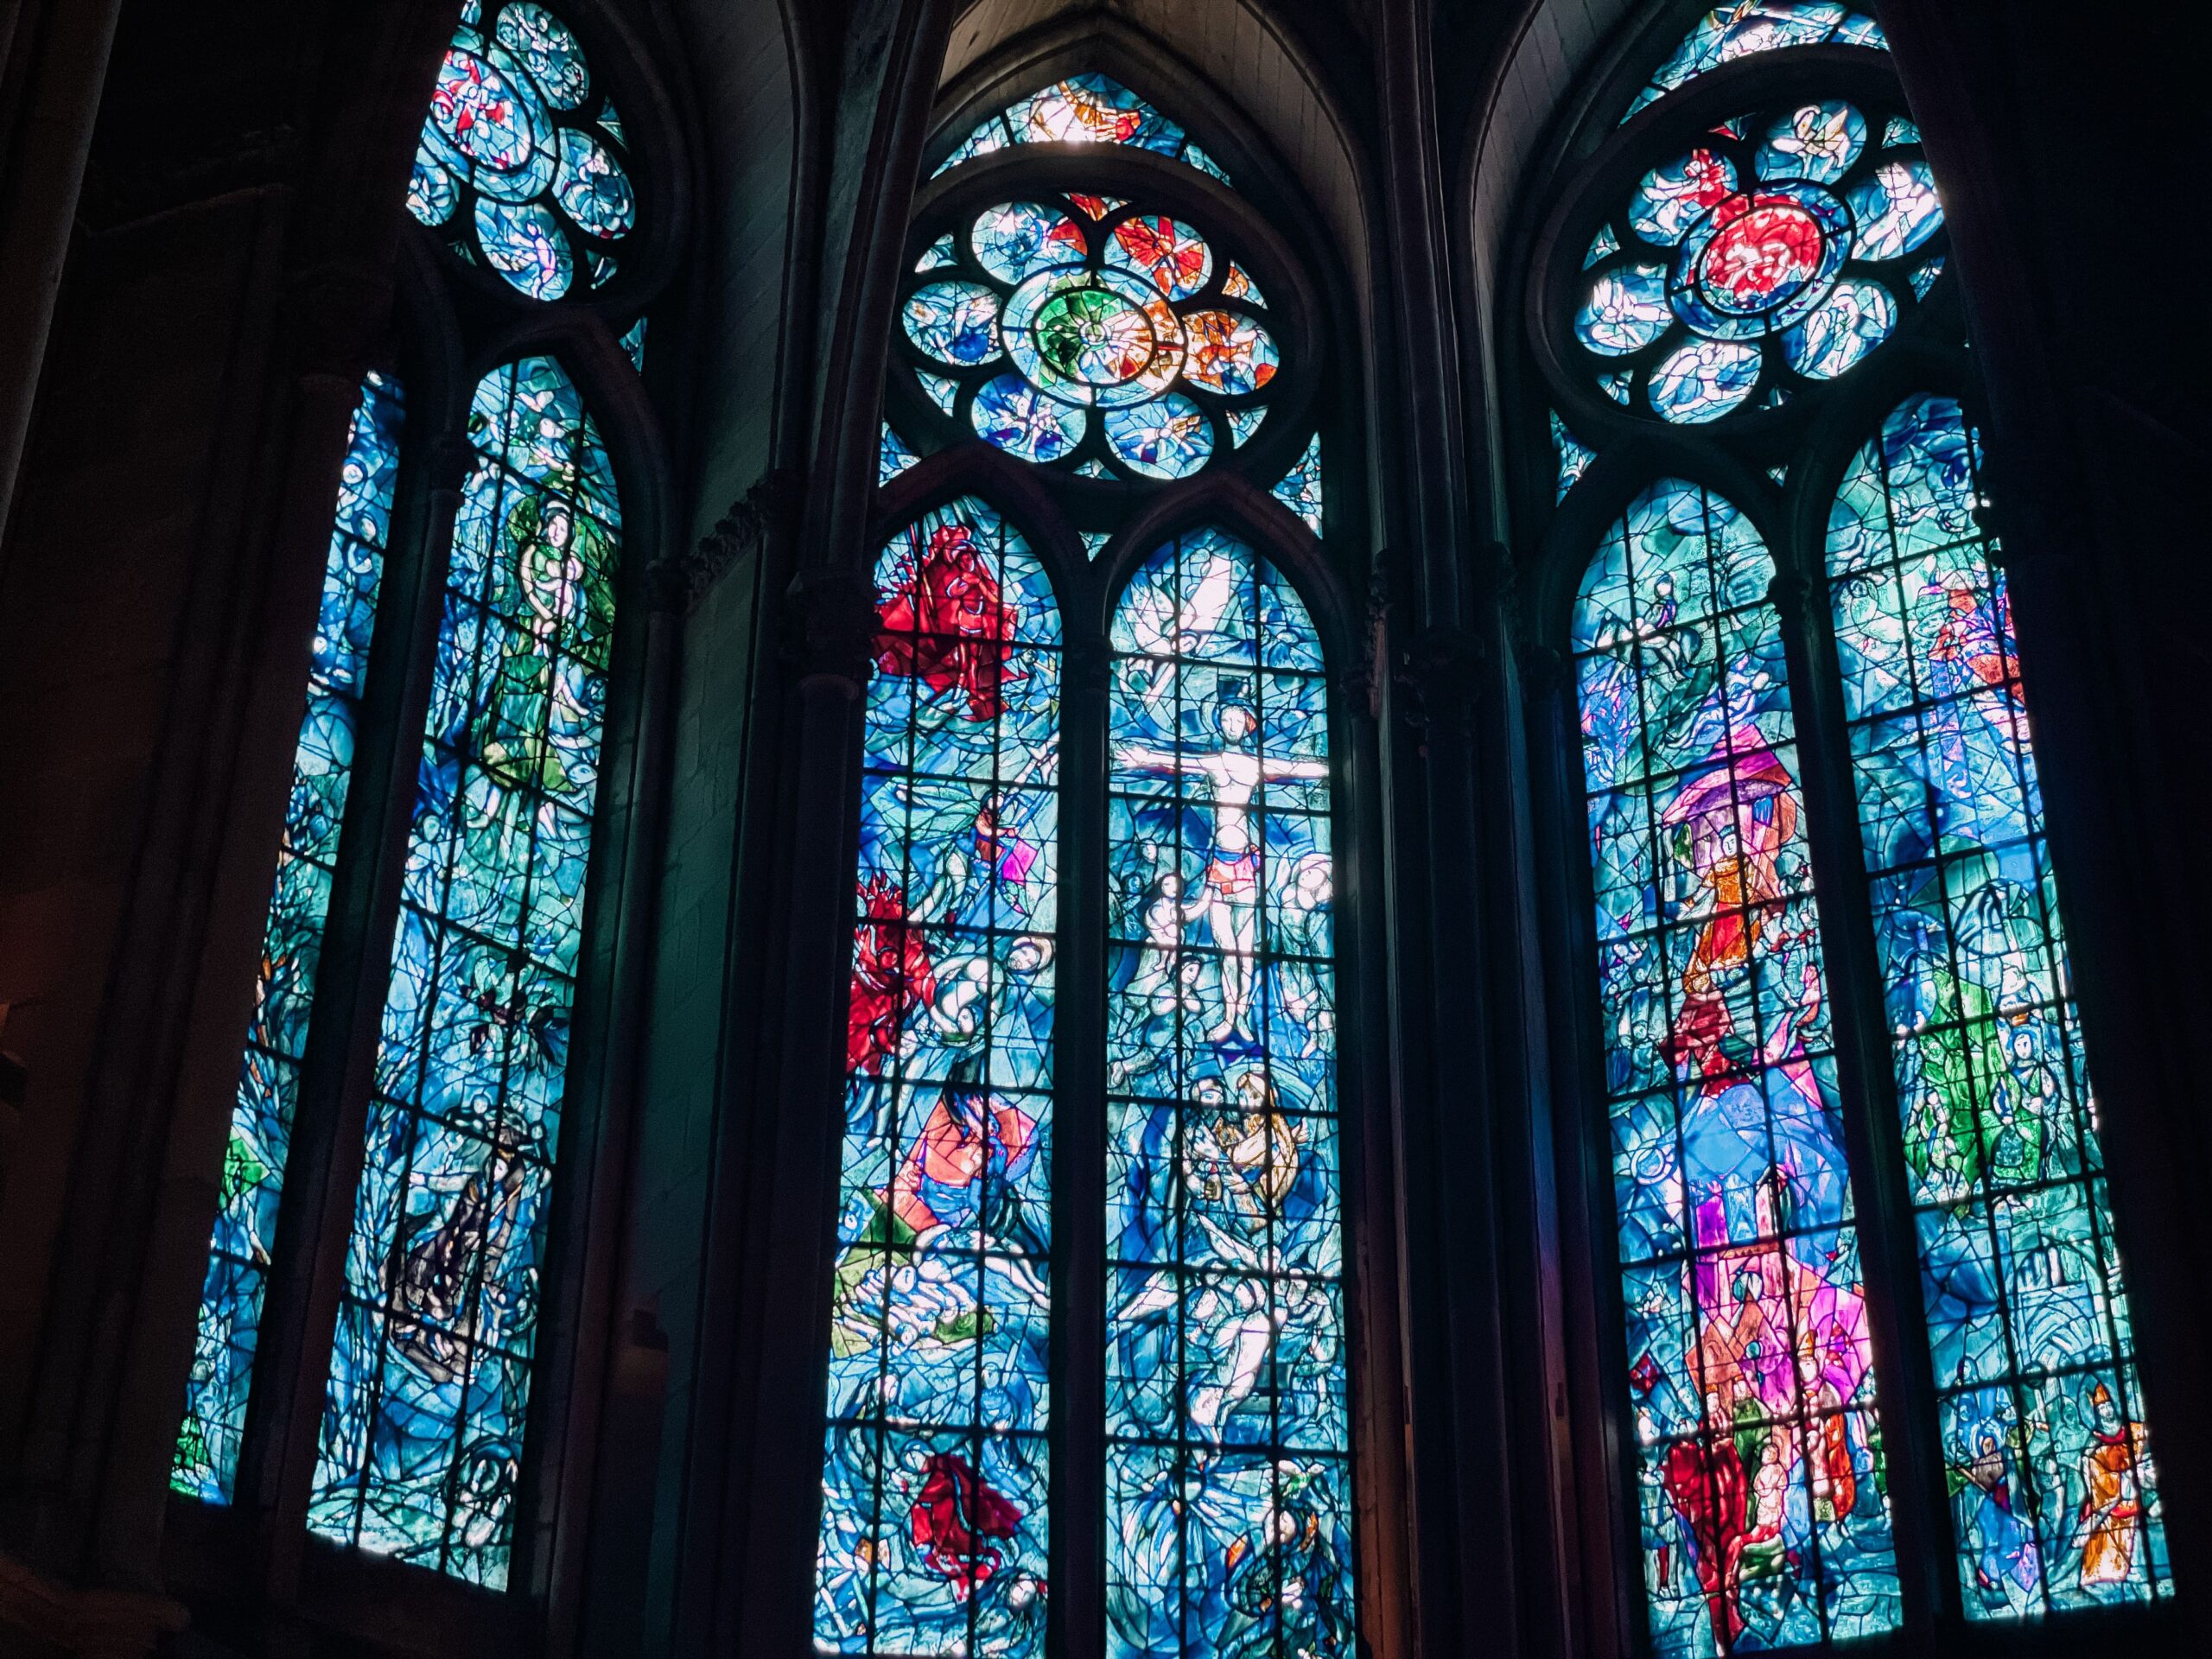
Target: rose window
522,164
1774,253
1087,334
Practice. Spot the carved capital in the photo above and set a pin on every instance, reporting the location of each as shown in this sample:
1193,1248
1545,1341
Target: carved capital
1441,673
1788,592
762,515
1371,671
448,459
830,628
1546,672
338,313
1086,665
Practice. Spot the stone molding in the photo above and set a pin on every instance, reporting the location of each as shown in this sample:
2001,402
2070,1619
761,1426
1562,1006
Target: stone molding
85,1624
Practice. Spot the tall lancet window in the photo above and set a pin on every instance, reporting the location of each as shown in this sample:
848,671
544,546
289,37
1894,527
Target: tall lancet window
1847,1089
940,1379
424,993
1116,323
1226,1439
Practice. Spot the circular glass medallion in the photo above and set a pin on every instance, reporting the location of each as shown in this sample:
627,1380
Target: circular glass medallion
1818,141
1099,337
492,128
1229,354
1672,198
1169,437
1092,336
1704,380
1851,323
1175,257
431,193
1023,422
1896,209
547,48
1760,261
1626,310
525,245
1016,240
591,189
954,322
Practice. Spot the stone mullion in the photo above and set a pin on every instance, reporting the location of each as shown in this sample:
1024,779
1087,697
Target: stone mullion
338,1069
746,1575
1873,1132
1467,1199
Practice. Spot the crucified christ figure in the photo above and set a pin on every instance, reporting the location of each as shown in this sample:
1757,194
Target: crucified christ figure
1231,890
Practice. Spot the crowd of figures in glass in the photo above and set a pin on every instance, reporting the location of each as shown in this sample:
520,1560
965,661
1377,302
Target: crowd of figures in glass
520,165
206,1458
934,1534
2049,1473
1229,1513
430,1378
1763,1511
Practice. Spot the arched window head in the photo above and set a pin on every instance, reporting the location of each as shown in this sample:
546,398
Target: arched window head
524,165
1079,303
1727,33
1228,1451
935,1527
430,1375
1087,109
1752,1370
1846,1090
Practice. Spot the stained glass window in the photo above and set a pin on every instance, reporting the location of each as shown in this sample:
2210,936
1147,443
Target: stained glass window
893,456
431,1374
1091,335
1762,1504
1771,254
206,1458
1574,455
1087,109
1229,1506
1299,489
1727,33
524,165
2040,1411
1752,263
934,1514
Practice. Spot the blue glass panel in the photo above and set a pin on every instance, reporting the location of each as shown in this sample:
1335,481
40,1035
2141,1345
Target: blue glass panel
1087,109
513,132
205,1462
1574,455
1228,1523
1299,489
934,1524
2041,1419
893,457
429,1376
1750,1384
1730,31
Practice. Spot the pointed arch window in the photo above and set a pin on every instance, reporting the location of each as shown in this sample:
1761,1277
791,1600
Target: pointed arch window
1843,1068
376,1315
1132,1202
